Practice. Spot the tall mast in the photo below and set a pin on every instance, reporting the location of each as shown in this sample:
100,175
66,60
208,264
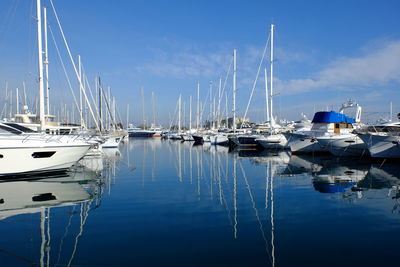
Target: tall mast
198,107
226,111
211,106
190,113
40,65
266,93
219,103
100,106
272,121
80,91
144,120
127,115
17,103
234,91
46,60
154,109
179,114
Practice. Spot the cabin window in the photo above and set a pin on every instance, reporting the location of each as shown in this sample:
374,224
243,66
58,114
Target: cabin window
46,154
337,125
44,197
1,156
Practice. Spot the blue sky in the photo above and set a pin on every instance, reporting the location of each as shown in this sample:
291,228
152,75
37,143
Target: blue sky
326,51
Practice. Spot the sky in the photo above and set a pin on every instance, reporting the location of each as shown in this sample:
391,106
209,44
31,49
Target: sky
326,52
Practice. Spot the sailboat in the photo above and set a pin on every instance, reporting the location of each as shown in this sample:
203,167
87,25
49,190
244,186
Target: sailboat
274,139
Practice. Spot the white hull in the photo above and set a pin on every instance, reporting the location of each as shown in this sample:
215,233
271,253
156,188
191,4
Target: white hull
300,143
344,145
23,154
111,142
382,145
20,160
274,141
219,139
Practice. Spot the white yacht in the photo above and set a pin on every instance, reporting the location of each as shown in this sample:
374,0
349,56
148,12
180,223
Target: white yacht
344,142
382,141
139,132
324,123
24,153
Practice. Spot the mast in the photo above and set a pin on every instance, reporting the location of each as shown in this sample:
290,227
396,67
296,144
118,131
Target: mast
154,109
190,113
127,116
17,103
219,103
226,111
266,94
80,91
211,106
46,61
40,66
198,107
110,108
234,91
100,106
179,114
272,121
144,120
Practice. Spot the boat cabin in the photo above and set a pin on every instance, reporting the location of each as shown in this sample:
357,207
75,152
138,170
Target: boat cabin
332,122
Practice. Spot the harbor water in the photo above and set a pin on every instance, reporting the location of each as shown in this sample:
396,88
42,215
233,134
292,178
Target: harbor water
159,202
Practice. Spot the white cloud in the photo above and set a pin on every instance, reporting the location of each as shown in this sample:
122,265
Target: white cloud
375,68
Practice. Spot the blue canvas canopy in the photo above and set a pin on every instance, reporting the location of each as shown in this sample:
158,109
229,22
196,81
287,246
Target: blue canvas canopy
331,117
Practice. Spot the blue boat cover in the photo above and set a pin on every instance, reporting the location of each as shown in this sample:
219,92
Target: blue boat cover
331,117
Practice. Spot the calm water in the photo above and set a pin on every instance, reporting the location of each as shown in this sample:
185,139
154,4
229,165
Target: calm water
164,203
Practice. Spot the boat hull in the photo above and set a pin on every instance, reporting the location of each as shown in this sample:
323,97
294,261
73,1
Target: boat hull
300,143
221,140
36,160
275,141
344,146
382,146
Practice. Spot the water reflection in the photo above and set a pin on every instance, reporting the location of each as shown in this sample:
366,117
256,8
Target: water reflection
79,191
227,207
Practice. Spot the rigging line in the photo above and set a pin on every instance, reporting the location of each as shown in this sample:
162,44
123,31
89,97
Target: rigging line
85,80
85,207
72,61
108,106
65,233
64,69
255,210
226,79
173,118
8,20
18,257
205,102
255,81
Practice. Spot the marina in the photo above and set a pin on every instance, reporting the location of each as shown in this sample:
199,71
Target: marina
159,134
203,205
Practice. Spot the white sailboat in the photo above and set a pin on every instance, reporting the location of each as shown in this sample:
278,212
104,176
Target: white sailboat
274,139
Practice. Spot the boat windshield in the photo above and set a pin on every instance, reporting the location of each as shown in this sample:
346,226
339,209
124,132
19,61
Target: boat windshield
19,127
7,129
